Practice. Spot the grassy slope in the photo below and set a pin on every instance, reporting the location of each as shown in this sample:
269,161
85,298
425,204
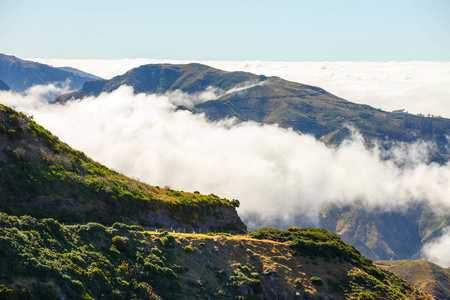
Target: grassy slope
430,277
43,177
41,259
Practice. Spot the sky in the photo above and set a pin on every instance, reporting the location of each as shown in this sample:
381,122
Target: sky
326,30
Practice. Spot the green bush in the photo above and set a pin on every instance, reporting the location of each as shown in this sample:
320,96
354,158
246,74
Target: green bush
7,293
188,249
120,243
365,296
298,284
316,281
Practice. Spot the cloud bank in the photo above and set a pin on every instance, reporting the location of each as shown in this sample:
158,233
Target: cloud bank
418,87
277,174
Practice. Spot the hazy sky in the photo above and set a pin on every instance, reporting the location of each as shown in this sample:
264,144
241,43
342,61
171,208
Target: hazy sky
326,30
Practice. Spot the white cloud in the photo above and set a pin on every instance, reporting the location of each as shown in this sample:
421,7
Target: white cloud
418,87
274,172
438,250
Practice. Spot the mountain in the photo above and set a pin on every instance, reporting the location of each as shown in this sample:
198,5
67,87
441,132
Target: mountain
43,259
162,78
384,235
21,74
80,73
427,276
4,86
43,177
273,100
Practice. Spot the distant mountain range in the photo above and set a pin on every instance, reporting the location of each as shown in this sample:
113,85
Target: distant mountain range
21,74
273,100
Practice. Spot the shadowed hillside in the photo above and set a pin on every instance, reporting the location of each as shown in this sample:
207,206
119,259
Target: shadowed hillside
21,74
4,86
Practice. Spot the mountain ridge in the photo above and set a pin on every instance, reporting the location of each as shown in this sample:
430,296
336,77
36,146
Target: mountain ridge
20,74
306,109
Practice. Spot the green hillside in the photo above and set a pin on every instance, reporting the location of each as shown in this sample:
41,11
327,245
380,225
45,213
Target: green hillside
42,259
43,177
430,277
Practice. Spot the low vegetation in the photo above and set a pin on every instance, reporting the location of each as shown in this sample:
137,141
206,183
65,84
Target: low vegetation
43,259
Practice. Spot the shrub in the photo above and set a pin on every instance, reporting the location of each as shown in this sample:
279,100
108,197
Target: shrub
317,281
365,296
298,284
7,293
188,249
120,242
235,203
167,240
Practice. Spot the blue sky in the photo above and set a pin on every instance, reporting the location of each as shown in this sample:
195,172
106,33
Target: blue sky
320,30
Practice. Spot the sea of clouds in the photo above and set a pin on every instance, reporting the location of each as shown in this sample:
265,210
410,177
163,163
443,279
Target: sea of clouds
277,174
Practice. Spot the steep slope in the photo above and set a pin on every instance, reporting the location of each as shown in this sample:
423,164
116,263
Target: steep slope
164,78
42,259
384,235
4,86
431,278
21,74
41,176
